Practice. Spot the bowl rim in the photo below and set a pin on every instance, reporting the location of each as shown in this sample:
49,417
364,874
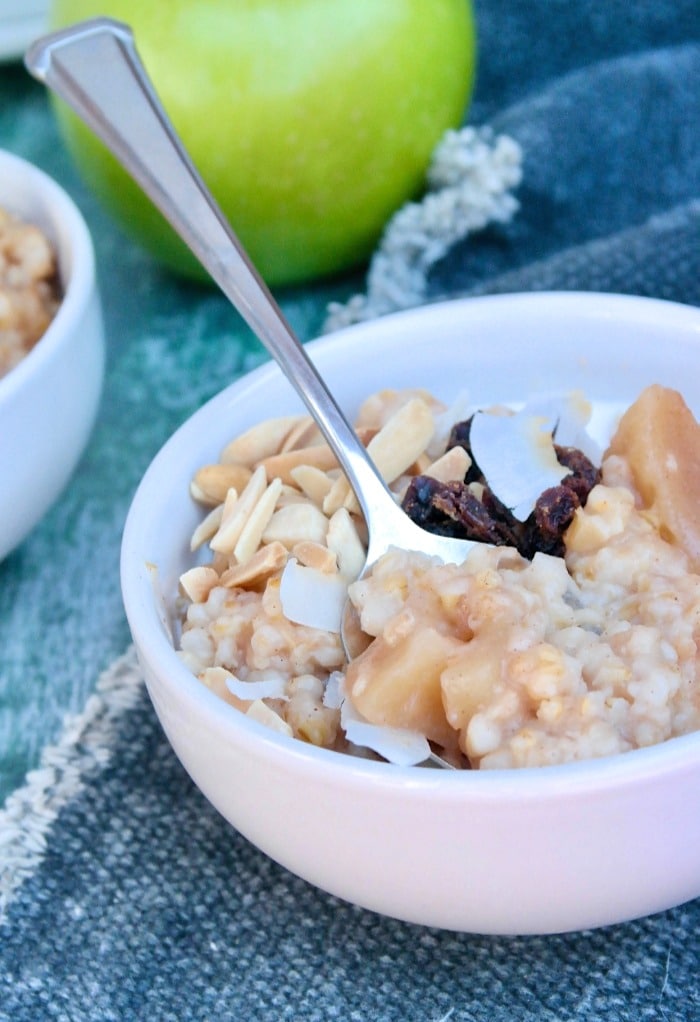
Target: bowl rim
80,273
517,783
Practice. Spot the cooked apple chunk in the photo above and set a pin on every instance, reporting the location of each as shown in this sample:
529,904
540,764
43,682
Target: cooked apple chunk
398,684
659,438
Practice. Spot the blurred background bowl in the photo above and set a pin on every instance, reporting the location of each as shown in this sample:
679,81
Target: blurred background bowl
49,400
21,21
533,850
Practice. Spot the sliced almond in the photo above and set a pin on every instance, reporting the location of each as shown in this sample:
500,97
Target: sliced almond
198,582
236,513
197,494
291,495
373,410
264,563
219,562
336,497
393,449
282,465
257,521
350,503
305,434
215,679
344,541
261,712
313,482
211,483
315,555
208,526
317,455
260,441
453,465
296,522
402,439
378,408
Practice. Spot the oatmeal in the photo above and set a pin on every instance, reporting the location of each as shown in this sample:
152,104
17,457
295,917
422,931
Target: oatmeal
542,661
575,637
29,291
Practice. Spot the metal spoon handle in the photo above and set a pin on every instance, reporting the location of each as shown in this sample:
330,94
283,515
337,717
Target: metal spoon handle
95,68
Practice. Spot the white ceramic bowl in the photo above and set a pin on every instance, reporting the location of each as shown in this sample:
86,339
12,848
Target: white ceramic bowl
48,401
513,851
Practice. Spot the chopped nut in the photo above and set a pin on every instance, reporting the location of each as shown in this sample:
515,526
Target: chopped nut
377,409
266,561
208,526
291,495
337,496
343,540
258,519
212,482
259,441
454,464
282,465
305,434
402,439
215,680
296,522
313,482
393,449
198,582
315,555
236,512
318,456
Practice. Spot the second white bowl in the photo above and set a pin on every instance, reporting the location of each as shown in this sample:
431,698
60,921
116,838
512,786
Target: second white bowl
48,402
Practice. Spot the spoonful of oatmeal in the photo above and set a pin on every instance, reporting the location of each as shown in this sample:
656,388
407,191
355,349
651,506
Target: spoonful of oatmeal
95,68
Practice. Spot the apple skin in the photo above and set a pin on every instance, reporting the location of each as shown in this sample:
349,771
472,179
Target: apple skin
311,121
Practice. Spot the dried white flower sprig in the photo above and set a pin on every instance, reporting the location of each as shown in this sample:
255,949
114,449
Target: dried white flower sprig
469,185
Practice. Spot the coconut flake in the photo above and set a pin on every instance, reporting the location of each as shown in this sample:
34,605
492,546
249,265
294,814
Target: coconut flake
572,412
334,692
399,746
311,597
517,457
273,687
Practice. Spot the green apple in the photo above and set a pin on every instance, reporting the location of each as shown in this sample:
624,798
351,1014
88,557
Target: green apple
311,121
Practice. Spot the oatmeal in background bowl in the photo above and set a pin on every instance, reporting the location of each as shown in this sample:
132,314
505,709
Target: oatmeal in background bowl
30,291
51,344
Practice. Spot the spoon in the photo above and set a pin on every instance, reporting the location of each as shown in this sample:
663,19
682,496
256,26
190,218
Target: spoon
95,68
